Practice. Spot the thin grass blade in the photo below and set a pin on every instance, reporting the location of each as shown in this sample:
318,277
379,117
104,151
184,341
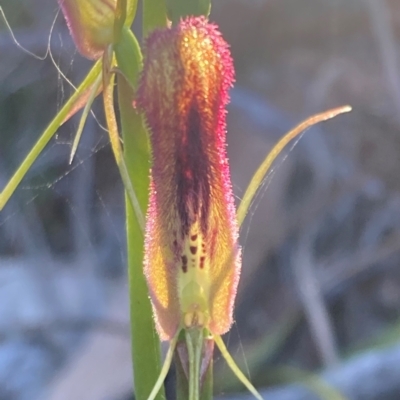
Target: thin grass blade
85,113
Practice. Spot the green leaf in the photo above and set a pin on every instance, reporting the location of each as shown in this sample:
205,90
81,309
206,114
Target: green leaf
145,342
82,91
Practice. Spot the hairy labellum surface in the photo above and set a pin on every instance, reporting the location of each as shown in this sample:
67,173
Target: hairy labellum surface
192,258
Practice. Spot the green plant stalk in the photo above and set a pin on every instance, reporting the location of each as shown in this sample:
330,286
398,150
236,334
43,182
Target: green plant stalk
182,383
41,143
145,343
193,379
206,391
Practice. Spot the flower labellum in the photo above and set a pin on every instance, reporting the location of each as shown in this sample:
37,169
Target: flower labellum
192,257
91,23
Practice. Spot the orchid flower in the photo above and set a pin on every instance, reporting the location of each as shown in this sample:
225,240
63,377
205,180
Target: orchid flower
192,258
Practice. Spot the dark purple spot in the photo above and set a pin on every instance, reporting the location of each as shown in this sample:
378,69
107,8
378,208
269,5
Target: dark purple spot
193,249
184,263
193,237
202,259
175,243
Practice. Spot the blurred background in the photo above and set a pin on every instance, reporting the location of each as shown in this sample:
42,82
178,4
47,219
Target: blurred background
319,298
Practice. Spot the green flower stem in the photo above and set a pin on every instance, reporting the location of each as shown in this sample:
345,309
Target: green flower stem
58,120
193,379
207,387
194,343
190,387
145,343
182,382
